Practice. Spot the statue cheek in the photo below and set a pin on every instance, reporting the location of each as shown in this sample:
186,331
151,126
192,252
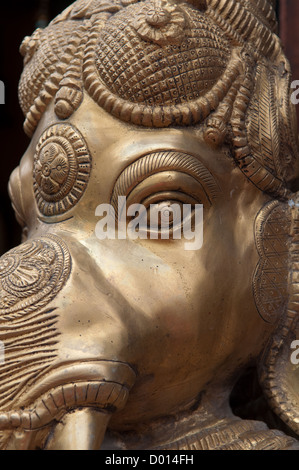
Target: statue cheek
270,280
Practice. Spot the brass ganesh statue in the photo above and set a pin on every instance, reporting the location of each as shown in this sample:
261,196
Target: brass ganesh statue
137,343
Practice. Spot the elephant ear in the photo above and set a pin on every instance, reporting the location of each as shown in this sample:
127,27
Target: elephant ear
278,370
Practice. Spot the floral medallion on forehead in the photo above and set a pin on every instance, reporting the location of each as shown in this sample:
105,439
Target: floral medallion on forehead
62,165
161,22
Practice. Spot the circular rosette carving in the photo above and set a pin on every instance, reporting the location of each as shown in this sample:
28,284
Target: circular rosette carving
161,22
32,274
61,170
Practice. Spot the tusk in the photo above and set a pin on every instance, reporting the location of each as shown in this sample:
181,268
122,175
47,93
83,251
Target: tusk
81,429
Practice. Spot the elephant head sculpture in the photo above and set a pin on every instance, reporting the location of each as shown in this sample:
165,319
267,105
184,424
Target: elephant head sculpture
136,342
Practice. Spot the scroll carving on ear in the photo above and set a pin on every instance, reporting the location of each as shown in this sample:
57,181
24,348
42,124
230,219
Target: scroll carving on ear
158,63
270,282
62,165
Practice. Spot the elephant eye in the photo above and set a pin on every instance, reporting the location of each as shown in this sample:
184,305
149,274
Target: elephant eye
162,193
165,215
162,219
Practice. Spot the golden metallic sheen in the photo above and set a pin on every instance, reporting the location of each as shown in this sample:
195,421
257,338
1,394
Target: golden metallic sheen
140,343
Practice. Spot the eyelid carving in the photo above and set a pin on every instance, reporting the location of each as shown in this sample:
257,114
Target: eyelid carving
157,162
182,185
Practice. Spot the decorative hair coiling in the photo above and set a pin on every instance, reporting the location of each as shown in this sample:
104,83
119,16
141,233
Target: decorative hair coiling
200,30
61,170
132,65
159,76
160,63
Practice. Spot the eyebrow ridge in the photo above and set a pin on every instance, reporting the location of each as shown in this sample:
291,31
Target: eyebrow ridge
156,162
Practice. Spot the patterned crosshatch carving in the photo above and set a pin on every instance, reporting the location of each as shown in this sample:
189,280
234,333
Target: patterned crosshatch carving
271,277
141,71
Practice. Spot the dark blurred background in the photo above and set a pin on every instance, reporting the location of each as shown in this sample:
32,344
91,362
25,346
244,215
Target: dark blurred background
19,19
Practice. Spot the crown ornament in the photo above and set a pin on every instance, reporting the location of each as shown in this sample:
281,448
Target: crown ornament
216,65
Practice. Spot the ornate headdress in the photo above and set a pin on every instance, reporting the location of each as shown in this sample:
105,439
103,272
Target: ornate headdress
162,63
213,64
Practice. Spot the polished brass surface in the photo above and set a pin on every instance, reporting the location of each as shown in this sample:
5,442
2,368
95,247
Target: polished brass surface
140,343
